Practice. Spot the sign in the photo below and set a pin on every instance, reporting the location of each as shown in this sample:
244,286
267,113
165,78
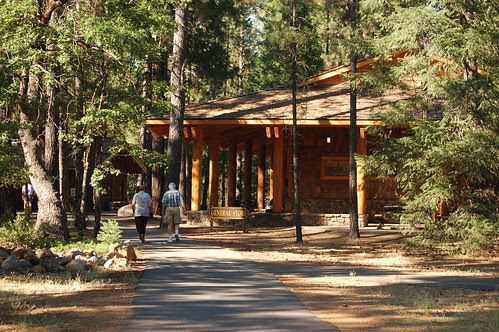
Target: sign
228,213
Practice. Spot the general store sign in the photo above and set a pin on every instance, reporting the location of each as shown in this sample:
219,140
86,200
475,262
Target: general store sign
228,213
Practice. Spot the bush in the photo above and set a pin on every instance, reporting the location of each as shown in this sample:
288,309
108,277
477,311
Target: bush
20,231
110,232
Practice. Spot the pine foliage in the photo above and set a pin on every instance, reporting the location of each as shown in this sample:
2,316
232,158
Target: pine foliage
446,160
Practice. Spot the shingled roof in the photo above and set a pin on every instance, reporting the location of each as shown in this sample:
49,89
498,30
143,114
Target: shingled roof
325,102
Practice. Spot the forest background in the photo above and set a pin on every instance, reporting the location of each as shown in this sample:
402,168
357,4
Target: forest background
75,74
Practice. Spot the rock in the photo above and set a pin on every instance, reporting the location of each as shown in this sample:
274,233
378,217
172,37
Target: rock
116,263
125,211
45,253
24,266
76,265
37,269
19,252
49,263
34,261
114,255
73,253
126,250
30,255
64,260
4,252
10,264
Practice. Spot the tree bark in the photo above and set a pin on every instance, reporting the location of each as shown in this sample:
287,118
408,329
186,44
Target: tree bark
51,217
157,176
87,192
96,192
353,206
298,221
175,135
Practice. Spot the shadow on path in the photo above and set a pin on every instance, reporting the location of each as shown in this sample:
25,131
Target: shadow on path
192,286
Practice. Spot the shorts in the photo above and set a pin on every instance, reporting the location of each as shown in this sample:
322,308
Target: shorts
172,215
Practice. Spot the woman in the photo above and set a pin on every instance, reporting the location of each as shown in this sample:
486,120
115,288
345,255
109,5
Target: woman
141,206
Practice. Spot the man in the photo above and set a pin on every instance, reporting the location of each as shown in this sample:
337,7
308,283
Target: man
28,194
172,201
141,206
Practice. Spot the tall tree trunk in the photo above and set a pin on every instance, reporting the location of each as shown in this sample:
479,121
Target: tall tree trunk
206,177
176,135
157,175
64,190
145,135
51,217
50,153
96,191
87,192
298,221
353,206
78,155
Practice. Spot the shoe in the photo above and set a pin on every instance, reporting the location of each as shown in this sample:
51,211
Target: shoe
177,238
142,238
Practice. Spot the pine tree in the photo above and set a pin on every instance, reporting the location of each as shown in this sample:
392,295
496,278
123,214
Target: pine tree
446,163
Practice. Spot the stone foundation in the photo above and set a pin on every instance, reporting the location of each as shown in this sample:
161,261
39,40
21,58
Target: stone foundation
269,219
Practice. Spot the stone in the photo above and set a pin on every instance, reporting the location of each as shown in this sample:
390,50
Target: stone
34,261
24,266
49,263
45,253
114,255
126,250
76,265
64,260
116,263
75,252
125,211
30,255
10,264
19,252
37,269
4,252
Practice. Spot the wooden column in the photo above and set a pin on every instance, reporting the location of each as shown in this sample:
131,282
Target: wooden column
231,190
197,158
261,178
248,161
361,190
214,165
276,174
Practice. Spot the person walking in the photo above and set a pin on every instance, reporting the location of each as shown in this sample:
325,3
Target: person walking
28,194
141,206
171,203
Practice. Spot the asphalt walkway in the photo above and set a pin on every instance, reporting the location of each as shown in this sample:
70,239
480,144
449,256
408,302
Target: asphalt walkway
193,286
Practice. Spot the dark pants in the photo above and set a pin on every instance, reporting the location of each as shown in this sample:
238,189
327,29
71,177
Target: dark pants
141,223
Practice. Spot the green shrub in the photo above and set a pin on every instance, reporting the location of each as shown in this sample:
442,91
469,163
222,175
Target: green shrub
88,245
18,231
110,232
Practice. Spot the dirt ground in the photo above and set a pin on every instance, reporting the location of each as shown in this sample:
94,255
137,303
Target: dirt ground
354,305
56,302
53,303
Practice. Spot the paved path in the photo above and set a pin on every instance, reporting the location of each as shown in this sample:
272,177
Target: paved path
191,286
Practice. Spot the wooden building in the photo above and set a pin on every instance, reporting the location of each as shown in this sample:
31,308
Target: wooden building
259,123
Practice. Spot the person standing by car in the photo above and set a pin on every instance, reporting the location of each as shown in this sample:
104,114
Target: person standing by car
172,201
141,206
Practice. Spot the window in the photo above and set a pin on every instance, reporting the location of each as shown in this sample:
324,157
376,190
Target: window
334,168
